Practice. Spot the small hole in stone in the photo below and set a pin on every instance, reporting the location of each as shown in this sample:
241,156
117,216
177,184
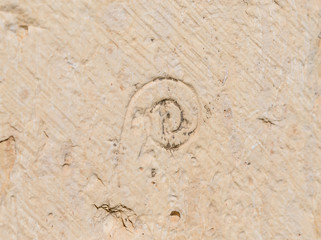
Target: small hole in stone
175,216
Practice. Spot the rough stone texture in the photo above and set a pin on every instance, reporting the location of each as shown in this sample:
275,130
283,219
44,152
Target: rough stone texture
160,119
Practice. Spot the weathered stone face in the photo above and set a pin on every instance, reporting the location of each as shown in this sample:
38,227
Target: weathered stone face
160,119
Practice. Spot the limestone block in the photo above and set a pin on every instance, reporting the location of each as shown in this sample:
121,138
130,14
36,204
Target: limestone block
180,119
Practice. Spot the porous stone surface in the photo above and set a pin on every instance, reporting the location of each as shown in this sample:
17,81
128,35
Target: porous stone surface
160,119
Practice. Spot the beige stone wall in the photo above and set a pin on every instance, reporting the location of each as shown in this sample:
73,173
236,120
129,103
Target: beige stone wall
160,119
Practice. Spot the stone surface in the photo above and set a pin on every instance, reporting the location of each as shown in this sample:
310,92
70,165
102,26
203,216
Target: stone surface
160,119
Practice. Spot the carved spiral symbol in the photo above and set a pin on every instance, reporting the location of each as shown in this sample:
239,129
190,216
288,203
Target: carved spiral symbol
168,110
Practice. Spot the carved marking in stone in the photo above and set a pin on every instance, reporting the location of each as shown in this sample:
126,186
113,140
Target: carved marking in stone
165,110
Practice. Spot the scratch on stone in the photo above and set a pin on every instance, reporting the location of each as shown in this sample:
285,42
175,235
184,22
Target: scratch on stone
266,120
7,160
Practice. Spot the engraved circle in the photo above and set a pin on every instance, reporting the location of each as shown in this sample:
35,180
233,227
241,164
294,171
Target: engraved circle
175,116
173,111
